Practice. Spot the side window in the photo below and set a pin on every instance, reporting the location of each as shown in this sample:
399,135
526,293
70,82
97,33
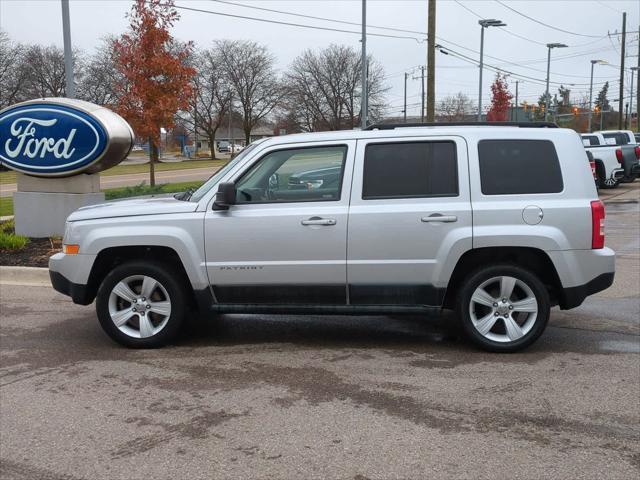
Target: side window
589,140
519,167
311,174
619,138
410,170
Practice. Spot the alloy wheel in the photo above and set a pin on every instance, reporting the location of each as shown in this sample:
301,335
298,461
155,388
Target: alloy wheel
139,306
503,309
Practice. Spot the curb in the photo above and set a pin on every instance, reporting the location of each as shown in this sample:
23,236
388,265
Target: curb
27,276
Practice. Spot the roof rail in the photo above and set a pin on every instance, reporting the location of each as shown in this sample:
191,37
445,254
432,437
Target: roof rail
393,126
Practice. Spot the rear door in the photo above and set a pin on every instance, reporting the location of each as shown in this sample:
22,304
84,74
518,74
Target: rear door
410,210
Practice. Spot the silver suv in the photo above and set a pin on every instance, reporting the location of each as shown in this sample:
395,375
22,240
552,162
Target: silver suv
499,223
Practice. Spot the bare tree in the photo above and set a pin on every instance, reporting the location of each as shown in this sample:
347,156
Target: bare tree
98,76
209,105
455,108
44,71
324,88
249,68
11,73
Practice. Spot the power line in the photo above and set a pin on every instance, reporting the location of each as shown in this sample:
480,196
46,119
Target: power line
312,17
290,24
271,10
545,24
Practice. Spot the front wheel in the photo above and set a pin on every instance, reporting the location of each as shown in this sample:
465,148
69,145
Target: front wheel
141,305
503,308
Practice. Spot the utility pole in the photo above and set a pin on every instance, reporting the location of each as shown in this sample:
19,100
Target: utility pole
364,99
405,96
638,87
431,61
68,52
633,70
422,94
624,41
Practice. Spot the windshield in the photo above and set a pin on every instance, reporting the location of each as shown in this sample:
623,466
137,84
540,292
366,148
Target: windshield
215,178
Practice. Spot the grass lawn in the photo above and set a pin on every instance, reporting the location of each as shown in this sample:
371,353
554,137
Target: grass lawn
10,176
6,206
6,203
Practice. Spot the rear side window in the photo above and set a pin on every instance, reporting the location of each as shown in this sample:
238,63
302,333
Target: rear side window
620,138
519,167
590,140
410,170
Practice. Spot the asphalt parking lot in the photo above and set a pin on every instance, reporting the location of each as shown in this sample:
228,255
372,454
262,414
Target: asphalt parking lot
326,397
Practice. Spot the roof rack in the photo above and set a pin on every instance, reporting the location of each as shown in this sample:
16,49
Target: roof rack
393,126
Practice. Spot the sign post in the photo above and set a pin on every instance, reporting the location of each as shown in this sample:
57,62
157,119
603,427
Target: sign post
58,146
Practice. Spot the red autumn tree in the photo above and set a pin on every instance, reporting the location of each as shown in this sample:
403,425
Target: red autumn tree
500,100
156,80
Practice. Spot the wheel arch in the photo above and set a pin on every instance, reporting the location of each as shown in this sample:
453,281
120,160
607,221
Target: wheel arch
532,259
111,257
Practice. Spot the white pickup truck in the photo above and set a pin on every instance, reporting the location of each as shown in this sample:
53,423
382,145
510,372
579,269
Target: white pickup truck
626,140
607,157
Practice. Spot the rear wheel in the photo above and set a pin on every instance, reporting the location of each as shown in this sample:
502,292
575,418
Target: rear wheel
608,182
503,308
141,305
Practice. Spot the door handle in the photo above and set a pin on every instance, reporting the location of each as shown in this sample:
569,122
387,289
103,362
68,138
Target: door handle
437,217
319,221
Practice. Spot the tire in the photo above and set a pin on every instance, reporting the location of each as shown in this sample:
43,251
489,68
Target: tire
150,324
607,183
490,323
628,178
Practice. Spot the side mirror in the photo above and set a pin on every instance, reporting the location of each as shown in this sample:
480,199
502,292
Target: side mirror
225,197
274,182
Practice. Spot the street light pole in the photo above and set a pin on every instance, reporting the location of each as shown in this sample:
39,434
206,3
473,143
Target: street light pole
363,99
593,62
490,22
405,96
546,95
70,87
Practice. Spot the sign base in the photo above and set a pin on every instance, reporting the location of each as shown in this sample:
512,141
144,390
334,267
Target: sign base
41,205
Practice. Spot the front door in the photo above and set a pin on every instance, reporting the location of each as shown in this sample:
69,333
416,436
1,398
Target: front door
284,242
410,212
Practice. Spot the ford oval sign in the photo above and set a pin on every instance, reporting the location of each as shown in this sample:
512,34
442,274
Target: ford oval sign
59,137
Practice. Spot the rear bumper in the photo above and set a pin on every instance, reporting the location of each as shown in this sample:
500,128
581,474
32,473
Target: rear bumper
574,296
582,273
618,173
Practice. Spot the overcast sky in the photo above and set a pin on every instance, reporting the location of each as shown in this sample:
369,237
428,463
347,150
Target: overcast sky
589,22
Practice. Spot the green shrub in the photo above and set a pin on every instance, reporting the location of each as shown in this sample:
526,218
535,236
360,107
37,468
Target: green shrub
11,241
144,189
8,226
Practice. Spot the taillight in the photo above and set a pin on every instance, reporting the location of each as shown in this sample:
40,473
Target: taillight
593,168
619,155
597,224
637,150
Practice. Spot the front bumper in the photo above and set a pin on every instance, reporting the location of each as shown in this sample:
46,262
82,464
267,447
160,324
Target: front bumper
78,293
70,275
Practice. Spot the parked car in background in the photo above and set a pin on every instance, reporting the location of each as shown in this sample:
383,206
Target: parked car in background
626,140
224,146
607,157
498,223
